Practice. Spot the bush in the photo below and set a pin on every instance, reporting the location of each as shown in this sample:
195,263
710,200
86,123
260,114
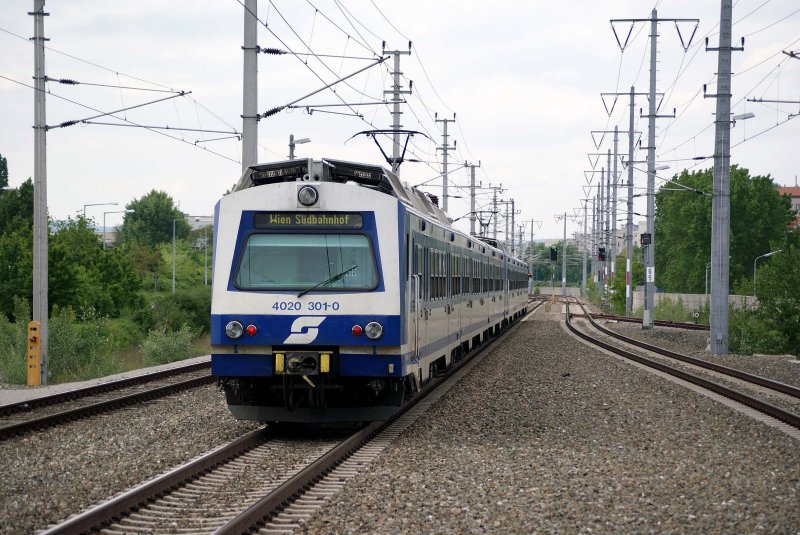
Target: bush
172,310
162,346
669,310
79,346
750,331
13,344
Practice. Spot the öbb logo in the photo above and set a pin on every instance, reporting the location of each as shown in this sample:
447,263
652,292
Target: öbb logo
304,330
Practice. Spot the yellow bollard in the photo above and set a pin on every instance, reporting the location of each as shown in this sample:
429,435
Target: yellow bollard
34,354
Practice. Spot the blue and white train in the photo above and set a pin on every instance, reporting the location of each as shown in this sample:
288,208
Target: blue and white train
338,292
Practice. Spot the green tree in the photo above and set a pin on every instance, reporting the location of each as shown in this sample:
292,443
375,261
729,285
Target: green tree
683,227
778,289
16,246
83,275
3,171
151,221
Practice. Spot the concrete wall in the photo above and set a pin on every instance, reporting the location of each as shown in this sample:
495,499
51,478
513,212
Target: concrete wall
693,301
572,291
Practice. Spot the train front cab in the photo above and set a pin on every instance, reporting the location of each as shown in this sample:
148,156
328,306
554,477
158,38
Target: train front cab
320,349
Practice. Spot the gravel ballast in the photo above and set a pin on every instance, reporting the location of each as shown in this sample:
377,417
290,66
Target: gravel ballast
47,475
783,368
548,435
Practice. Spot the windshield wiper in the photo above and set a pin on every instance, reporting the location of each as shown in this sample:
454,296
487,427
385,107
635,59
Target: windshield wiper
328,281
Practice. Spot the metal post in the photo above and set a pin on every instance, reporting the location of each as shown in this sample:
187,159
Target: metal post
614,178
585,246
205,242
40,223
505,233
396,93
530,262
629,223
609,236
513,222
472,216
173,255
720,213
564,261
494,210
446,148
601,232
291,146
250,86
594,236
649,257
104,229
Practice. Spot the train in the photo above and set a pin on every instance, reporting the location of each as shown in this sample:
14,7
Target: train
339,291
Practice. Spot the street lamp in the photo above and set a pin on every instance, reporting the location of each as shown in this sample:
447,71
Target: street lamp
741,117
293,142
205,245
754,267
104,221
98,204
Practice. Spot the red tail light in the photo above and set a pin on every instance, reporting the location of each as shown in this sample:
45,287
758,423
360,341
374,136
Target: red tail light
251,330
357,330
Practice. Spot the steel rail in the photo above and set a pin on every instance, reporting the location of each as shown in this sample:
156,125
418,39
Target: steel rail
71,395
738,374
766,408
272,504
659,323
103,513
102,406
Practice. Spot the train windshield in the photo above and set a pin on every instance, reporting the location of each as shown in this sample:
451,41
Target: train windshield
301,261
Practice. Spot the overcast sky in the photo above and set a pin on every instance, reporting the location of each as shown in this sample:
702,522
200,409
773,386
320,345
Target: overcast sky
524,78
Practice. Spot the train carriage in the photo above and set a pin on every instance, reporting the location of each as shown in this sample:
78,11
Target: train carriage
338,292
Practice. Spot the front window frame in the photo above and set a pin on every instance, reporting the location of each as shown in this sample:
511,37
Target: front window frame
235,282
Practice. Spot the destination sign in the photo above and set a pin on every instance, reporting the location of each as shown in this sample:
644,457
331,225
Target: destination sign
307,220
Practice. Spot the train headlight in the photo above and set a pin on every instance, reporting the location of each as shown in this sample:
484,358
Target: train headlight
234,329
373,330
307,196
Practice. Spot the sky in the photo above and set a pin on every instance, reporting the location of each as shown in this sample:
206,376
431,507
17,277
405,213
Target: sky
523,79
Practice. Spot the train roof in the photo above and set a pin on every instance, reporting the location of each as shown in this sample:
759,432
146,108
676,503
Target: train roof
328,170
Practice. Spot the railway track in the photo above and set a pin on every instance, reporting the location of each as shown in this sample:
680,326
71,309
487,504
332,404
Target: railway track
696,378
247,484
55,409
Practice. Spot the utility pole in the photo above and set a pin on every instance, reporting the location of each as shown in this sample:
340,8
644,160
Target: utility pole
445,148
601,233
396,91
721,208
564,261
564,254
614,204
629,224
250,86
495,212
472,215
585,246
629,221
513,214
609,236
650,270
40,225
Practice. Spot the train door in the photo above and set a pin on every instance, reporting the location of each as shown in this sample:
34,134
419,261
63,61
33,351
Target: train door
453,316
415,315
504,278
